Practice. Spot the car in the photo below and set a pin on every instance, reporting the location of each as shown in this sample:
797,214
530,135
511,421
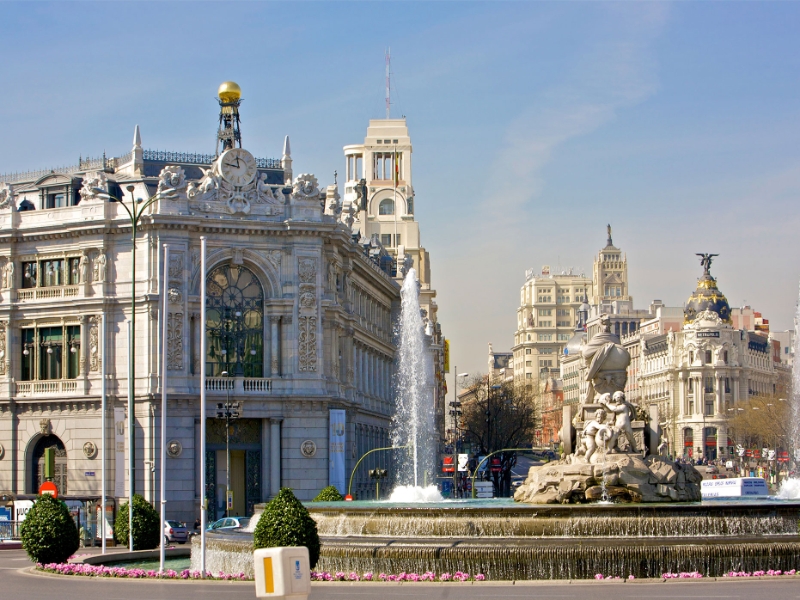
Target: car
229,523
175,532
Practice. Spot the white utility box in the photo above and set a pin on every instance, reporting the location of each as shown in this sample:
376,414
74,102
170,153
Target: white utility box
282,573
736,487
484,489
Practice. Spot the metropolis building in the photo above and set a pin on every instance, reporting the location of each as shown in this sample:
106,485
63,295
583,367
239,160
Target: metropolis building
299,326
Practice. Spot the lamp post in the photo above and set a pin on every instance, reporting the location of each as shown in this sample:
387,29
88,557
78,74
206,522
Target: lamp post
135,212
228,411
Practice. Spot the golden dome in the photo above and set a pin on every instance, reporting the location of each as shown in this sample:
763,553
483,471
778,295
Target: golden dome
229,91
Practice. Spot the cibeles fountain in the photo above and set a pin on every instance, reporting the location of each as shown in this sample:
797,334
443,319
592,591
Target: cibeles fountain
611,447
613,504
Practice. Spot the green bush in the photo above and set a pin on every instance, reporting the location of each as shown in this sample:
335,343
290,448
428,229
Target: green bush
286,522
48,532
146,531
329,494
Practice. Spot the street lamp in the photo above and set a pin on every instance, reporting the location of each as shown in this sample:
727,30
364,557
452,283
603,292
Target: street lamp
228,411
138,206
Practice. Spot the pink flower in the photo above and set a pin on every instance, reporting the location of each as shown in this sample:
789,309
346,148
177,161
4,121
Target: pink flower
480,577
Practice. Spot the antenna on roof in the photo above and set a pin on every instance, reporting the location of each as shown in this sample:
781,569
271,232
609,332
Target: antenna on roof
388,94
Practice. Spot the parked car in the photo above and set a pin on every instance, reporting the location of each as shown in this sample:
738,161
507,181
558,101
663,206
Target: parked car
229,523
175,532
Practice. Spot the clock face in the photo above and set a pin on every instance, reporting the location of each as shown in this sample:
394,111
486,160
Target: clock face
237,166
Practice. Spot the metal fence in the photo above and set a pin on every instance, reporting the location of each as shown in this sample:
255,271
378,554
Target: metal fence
9,530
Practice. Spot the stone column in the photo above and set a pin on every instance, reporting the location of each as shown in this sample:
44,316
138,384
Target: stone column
735,390
720,391
266,481
699,396
682,394
274,347
274,456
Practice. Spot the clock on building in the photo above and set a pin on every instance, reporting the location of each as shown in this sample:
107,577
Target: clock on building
237,166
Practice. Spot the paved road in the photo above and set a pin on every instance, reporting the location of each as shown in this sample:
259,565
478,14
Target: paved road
17,583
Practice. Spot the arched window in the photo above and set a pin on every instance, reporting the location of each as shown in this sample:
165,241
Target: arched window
37,464
386,207
235,322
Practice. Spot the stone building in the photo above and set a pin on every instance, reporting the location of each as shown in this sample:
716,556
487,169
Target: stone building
379,193
299,326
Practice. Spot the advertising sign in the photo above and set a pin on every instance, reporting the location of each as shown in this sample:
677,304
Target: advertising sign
463,461
21,508
119,452
448,466
336,441
733,488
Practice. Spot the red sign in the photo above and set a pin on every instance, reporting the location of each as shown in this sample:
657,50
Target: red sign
496,465
783,456
448,466
756,453
48,487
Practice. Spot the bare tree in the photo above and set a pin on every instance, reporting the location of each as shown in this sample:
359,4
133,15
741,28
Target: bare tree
498,415
762,422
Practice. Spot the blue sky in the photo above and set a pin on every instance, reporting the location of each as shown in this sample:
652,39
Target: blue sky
534,125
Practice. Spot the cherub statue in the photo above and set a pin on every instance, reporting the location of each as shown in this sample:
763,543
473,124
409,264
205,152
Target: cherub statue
623,410
596,433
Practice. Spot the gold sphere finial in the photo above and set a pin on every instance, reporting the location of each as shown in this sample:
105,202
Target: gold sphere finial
229,91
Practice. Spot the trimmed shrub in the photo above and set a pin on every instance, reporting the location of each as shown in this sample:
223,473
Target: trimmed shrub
286,522
146,531
48,532
329,494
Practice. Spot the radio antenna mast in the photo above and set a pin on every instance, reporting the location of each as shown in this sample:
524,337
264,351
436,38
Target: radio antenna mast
388,93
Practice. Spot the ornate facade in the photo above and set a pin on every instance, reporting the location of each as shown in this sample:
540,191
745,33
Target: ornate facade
299,324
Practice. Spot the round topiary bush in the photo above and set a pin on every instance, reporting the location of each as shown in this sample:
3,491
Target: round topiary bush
48,532
286,522
329,494
146,531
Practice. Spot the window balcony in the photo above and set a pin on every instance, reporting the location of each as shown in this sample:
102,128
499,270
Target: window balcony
239,385
47,293
45,388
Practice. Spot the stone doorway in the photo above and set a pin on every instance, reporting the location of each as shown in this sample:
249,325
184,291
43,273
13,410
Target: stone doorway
37,464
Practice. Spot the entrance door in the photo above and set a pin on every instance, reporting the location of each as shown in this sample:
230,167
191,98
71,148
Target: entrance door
37,466
237,483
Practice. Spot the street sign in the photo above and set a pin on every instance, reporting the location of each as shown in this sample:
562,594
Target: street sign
230,499
496,468
48,487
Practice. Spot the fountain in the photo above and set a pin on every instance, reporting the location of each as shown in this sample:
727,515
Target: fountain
413,424
650,519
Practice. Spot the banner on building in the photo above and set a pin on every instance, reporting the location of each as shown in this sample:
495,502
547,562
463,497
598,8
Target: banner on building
119,452
336,439
446,356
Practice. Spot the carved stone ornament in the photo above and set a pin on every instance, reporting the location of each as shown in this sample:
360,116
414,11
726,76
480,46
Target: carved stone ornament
308,448
176,268
6,196
213,193
8,275
2,451
175,341
99,268
45,427
709,316
174,448
305,188
307,270
92,181
90,449
174,296
172,184
308,297
94,345
2,347
307,344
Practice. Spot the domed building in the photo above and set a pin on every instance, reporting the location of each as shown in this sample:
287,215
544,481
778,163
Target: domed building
697,375
298,327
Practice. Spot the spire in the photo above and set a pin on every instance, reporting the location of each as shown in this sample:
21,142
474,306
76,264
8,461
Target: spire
608,241
137,153
286,162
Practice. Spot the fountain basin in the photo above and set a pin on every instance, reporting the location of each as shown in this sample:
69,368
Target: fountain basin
506,540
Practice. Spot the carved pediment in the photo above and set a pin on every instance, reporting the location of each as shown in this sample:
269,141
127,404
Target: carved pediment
53,179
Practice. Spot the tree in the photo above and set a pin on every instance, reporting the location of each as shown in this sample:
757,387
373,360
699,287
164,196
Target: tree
48,532
286,522
329,494
146,531
762,422
497,415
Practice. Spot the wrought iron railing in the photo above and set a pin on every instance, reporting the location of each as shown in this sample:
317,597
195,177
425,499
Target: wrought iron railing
201,159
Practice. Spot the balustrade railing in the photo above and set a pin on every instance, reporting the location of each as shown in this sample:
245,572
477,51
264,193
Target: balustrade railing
244,385
48,293
54,386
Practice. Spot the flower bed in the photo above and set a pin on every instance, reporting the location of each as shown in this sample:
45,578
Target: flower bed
122,572
370,576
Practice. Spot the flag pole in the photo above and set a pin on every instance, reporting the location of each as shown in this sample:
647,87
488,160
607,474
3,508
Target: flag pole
164,314
203,495
103,430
